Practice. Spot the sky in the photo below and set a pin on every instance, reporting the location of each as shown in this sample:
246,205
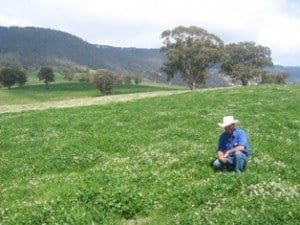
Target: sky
139,23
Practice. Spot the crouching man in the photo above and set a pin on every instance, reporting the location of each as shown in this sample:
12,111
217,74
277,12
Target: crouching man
233,148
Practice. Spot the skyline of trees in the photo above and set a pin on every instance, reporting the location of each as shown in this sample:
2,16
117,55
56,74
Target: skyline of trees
192,49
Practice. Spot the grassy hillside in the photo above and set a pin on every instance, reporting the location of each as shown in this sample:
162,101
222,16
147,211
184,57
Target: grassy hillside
148,161
35,91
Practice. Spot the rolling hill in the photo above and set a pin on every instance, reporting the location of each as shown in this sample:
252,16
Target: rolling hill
31,46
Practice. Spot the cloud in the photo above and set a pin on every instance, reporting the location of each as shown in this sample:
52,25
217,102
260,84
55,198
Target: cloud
139,23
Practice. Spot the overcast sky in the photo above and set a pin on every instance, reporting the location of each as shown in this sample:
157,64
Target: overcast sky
139,23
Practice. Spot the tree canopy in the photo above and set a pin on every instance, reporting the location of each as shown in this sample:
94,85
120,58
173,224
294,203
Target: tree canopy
190,51
246,60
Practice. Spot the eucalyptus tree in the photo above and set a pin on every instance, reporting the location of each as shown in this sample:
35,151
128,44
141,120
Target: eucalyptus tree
190,52
246,60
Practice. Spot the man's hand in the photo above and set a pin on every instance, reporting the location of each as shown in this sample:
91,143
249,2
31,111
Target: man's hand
222,157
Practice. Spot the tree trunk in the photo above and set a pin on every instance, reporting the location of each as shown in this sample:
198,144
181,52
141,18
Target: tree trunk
194,85
244,82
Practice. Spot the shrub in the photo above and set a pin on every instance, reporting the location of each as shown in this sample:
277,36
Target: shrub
104,81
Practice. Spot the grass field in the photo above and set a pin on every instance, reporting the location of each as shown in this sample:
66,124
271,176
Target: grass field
35,91
148,161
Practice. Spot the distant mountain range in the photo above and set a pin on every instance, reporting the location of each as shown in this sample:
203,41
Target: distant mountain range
31,46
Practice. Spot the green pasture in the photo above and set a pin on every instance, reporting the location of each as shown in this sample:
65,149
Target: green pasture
149,161
35,91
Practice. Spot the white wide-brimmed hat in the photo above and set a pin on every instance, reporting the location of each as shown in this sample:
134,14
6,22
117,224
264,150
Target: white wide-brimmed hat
228,120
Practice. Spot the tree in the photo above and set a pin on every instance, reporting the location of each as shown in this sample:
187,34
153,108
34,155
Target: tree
46,74
10,76
7,77
137,79
155,76
127,79
191,51
275,78
244,73
104,81
21,77
82,76
246,60
280,78
68,74
12,60
169,70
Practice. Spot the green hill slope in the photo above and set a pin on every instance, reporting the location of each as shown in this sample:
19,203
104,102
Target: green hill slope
148,161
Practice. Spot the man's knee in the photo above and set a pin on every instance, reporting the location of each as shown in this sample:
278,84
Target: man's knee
239,155
217,164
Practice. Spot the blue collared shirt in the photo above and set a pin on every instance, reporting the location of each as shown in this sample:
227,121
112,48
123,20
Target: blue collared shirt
238,137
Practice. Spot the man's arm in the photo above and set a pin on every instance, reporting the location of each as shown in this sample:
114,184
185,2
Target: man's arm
235,149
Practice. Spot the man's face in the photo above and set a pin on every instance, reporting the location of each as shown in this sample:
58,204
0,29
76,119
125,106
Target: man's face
229,129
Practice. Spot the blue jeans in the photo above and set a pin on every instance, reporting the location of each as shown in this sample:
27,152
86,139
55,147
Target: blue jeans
236,162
